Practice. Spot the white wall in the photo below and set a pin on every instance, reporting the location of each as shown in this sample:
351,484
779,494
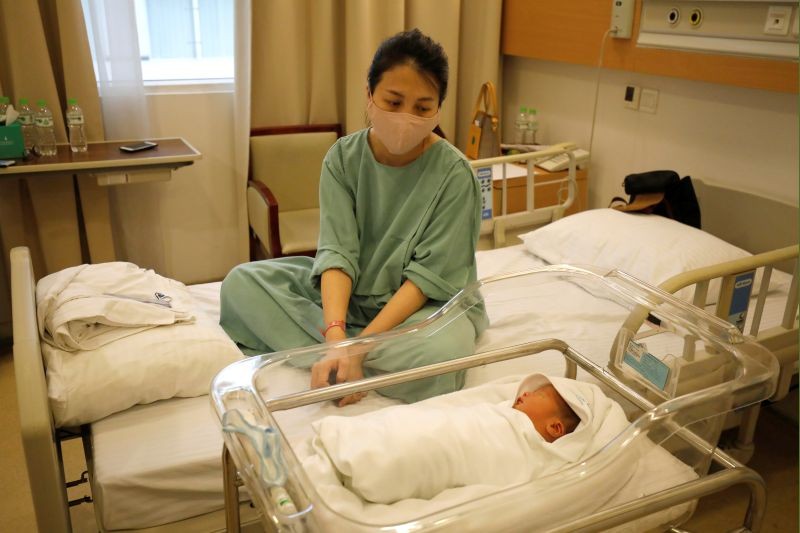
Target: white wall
185,228
743,138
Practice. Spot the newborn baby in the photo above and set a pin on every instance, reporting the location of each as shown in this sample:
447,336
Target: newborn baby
420,450
550,414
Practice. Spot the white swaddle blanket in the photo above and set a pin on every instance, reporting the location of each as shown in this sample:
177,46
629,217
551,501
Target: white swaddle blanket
87,306
418,451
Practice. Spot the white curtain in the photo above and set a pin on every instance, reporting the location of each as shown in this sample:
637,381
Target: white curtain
310,57
241,119
117,61
136,210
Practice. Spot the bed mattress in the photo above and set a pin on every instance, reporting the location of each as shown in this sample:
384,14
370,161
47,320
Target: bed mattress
142,463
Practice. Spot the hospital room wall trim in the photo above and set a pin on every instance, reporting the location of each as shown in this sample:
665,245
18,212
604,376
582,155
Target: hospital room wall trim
576,38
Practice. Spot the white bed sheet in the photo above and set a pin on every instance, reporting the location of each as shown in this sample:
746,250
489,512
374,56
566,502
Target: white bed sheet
142,463
159,463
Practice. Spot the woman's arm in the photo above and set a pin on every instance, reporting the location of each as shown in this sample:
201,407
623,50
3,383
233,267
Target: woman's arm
406,301
335,288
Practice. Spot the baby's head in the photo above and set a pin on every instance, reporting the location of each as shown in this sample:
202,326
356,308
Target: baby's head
550,413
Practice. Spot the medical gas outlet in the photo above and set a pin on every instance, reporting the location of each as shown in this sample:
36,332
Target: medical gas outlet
622,18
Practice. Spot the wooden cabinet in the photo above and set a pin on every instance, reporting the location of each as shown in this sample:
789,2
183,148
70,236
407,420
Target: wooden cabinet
546,194
572,32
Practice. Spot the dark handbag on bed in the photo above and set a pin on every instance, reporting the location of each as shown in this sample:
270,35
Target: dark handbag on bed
660,192
484,130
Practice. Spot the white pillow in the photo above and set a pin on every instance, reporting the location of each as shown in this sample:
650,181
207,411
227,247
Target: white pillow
649,247
156,364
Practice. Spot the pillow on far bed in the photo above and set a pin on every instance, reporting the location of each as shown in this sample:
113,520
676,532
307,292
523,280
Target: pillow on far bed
649,247
155,364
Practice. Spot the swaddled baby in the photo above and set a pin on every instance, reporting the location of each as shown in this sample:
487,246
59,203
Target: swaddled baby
419,450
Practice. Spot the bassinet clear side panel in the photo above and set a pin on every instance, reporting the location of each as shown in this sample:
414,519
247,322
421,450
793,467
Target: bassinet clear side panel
638,343
683,360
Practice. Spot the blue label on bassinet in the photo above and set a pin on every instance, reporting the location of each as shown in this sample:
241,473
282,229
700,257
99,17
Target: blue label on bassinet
485,181
646,364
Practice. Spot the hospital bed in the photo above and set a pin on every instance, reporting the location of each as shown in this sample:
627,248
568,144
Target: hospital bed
185,478
563,319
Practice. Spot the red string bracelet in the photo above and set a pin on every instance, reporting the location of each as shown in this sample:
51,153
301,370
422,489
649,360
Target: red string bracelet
333,324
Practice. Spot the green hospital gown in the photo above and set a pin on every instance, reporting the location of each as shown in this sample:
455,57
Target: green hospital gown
381,225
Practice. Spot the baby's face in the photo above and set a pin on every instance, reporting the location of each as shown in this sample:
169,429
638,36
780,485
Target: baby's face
540,406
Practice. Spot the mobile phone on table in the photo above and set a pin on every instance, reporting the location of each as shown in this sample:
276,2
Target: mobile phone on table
138,147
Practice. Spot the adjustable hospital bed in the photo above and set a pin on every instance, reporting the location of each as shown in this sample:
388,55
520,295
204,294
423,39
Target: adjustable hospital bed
159,465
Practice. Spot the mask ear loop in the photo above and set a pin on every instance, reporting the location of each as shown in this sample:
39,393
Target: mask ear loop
370,101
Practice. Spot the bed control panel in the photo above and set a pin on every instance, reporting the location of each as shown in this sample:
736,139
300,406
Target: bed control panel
561,162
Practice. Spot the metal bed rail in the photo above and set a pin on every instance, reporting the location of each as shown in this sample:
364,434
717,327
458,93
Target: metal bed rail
499,223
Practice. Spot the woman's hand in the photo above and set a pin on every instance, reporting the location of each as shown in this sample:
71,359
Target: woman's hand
341,365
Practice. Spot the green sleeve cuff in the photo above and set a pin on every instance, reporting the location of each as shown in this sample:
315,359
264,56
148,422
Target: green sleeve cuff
333,257
433,286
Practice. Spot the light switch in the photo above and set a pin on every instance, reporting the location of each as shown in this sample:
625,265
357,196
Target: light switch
778,20
632,93
648,101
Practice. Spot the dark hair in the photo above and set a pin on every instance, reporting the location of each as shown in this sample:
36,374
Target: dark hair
412,48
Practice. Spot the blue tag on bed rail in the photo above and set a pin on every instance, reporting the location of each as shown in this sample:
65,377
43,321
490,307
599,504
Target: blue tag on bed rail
484,176
740,298
646,364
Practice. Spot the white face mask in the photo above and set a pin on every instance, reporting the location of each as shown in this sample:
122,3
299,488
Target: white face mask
399,132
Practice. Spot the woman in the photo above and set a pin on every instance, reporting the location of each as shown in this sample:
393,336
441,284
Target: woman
399,221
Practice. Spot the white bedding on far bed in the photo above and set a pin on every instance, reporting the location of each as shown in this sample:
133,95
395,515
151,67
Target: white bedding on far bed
146,473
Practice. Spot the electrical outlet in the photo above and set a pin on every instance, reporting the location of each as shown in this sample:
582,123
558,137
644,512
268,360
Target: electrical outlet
632,93
648,101
778,20
622,18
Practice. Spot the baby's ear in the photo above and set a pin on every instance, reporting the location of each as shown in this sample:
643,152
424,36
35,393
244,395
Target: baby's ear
555,428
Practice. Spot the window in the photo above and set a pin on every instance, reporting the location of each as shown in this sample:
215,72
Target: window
183,40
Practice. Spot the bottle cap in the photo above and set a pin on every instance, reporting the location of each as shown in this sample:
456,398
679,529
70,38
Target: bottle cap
523,109
72,101
41,103
532,110
23,101
3,99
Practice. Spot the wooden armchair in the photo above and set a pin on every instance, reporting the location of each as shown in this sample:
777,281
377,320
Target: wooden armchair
283,188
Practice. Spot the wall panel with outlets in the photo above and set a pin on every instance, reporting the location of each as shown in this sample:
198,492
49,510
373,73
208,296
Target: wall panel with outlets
573,32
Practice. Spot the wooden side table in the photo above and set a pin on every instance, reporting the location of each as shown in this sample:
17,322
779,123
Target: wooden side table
64,224
546,194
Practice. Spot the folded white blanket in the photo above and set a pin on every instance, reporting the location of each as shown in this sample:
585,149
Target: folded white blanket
418,451
87,306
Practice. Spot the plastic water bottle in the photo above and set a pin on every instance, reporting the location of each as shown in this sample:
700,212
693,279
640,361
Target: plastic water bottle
3,107
520,125
75,125
45,133
26,124
533,126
